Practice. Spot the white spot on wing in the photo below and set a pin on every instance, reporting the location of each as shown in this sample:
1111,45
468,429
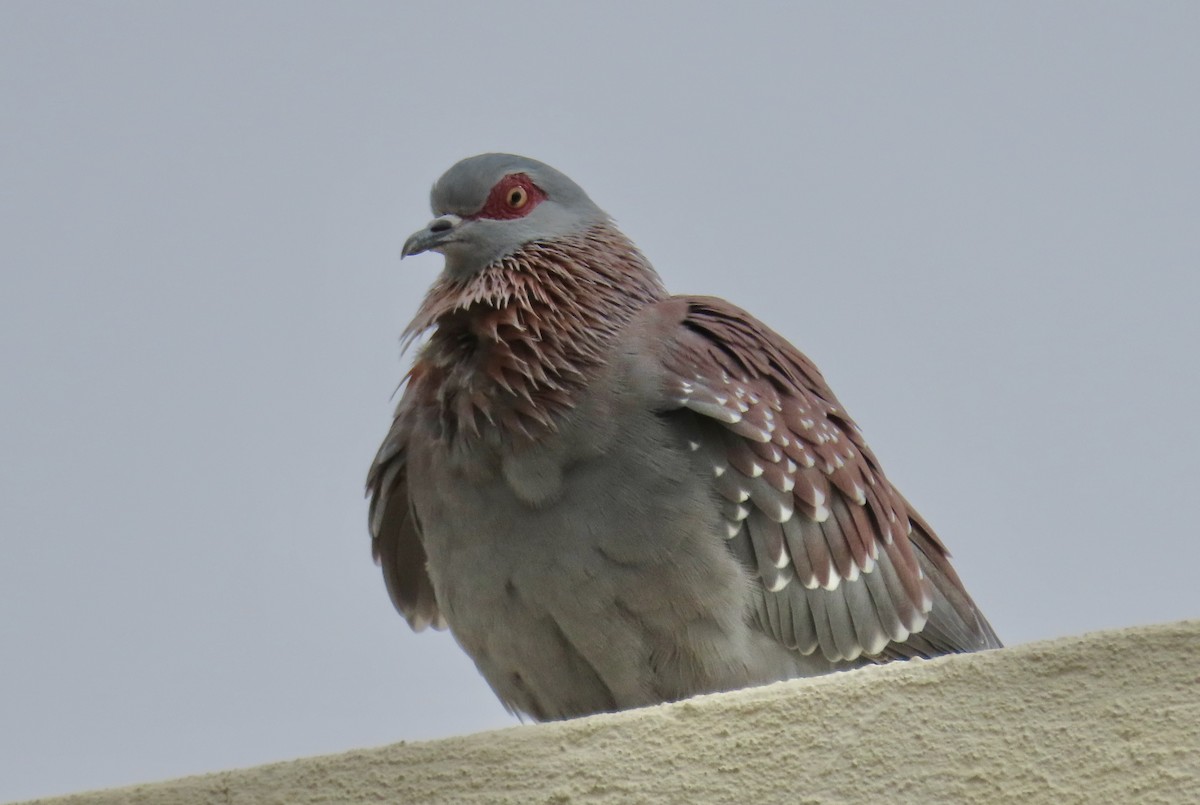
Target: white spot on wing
714,411
779,583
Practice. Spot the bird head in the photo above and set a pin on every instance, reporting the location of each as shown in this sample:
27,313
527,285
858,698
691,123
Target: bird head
489,206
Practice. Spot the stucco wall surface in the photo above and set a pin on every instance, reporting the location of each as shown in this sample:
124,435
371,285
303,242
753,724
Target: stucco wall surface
1112,717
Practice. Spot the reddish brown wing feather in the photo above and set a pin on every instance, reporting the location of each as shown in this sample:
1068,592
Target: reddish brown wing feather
395,532
807,504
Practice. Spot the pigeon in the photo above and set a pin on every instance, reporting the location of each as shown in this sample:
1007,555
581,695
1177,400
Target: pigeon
614,497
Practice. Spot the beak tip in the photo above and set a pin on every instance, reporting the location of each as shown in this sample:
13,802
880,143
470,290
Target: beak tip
409,248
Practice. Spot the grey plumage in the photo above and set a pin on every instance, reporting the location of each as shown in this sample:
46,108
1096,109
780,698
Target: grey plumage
614,497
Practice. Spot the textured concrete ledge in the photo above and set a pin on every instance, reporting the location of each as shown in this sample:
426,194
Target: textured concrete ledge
1107,717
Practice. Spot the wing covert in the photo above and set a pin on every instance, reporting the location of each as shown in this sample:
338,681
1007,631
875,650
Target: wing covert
805,501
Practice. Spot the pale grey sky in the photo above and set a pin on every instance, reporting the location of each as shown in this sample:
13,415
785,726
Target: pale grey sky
981,221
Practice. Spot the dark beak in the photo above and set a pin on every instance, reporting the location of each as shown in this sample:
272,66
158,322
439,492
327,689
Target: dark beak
439,232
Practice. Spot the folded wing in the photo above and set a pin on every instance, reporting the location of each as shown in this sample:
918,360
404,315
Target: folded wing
845,565
395,532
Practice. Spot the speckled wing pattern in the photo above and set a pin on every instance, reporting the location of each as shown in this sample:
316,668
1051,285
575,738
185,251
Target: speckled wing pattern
845,566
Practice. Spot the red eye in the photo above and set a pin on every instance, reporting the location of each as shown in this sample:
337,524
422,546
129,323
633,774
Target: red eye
514,196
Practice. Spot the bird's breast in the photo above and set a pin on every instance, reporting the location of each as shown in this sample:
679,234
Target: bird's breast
587,569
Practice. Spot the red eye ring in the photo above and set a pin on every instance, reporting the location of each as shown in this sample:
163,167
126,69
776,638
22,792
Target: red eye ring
514,196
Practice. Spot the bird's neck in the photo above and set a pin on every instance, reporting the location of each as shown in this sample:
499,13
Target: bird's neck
515,344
